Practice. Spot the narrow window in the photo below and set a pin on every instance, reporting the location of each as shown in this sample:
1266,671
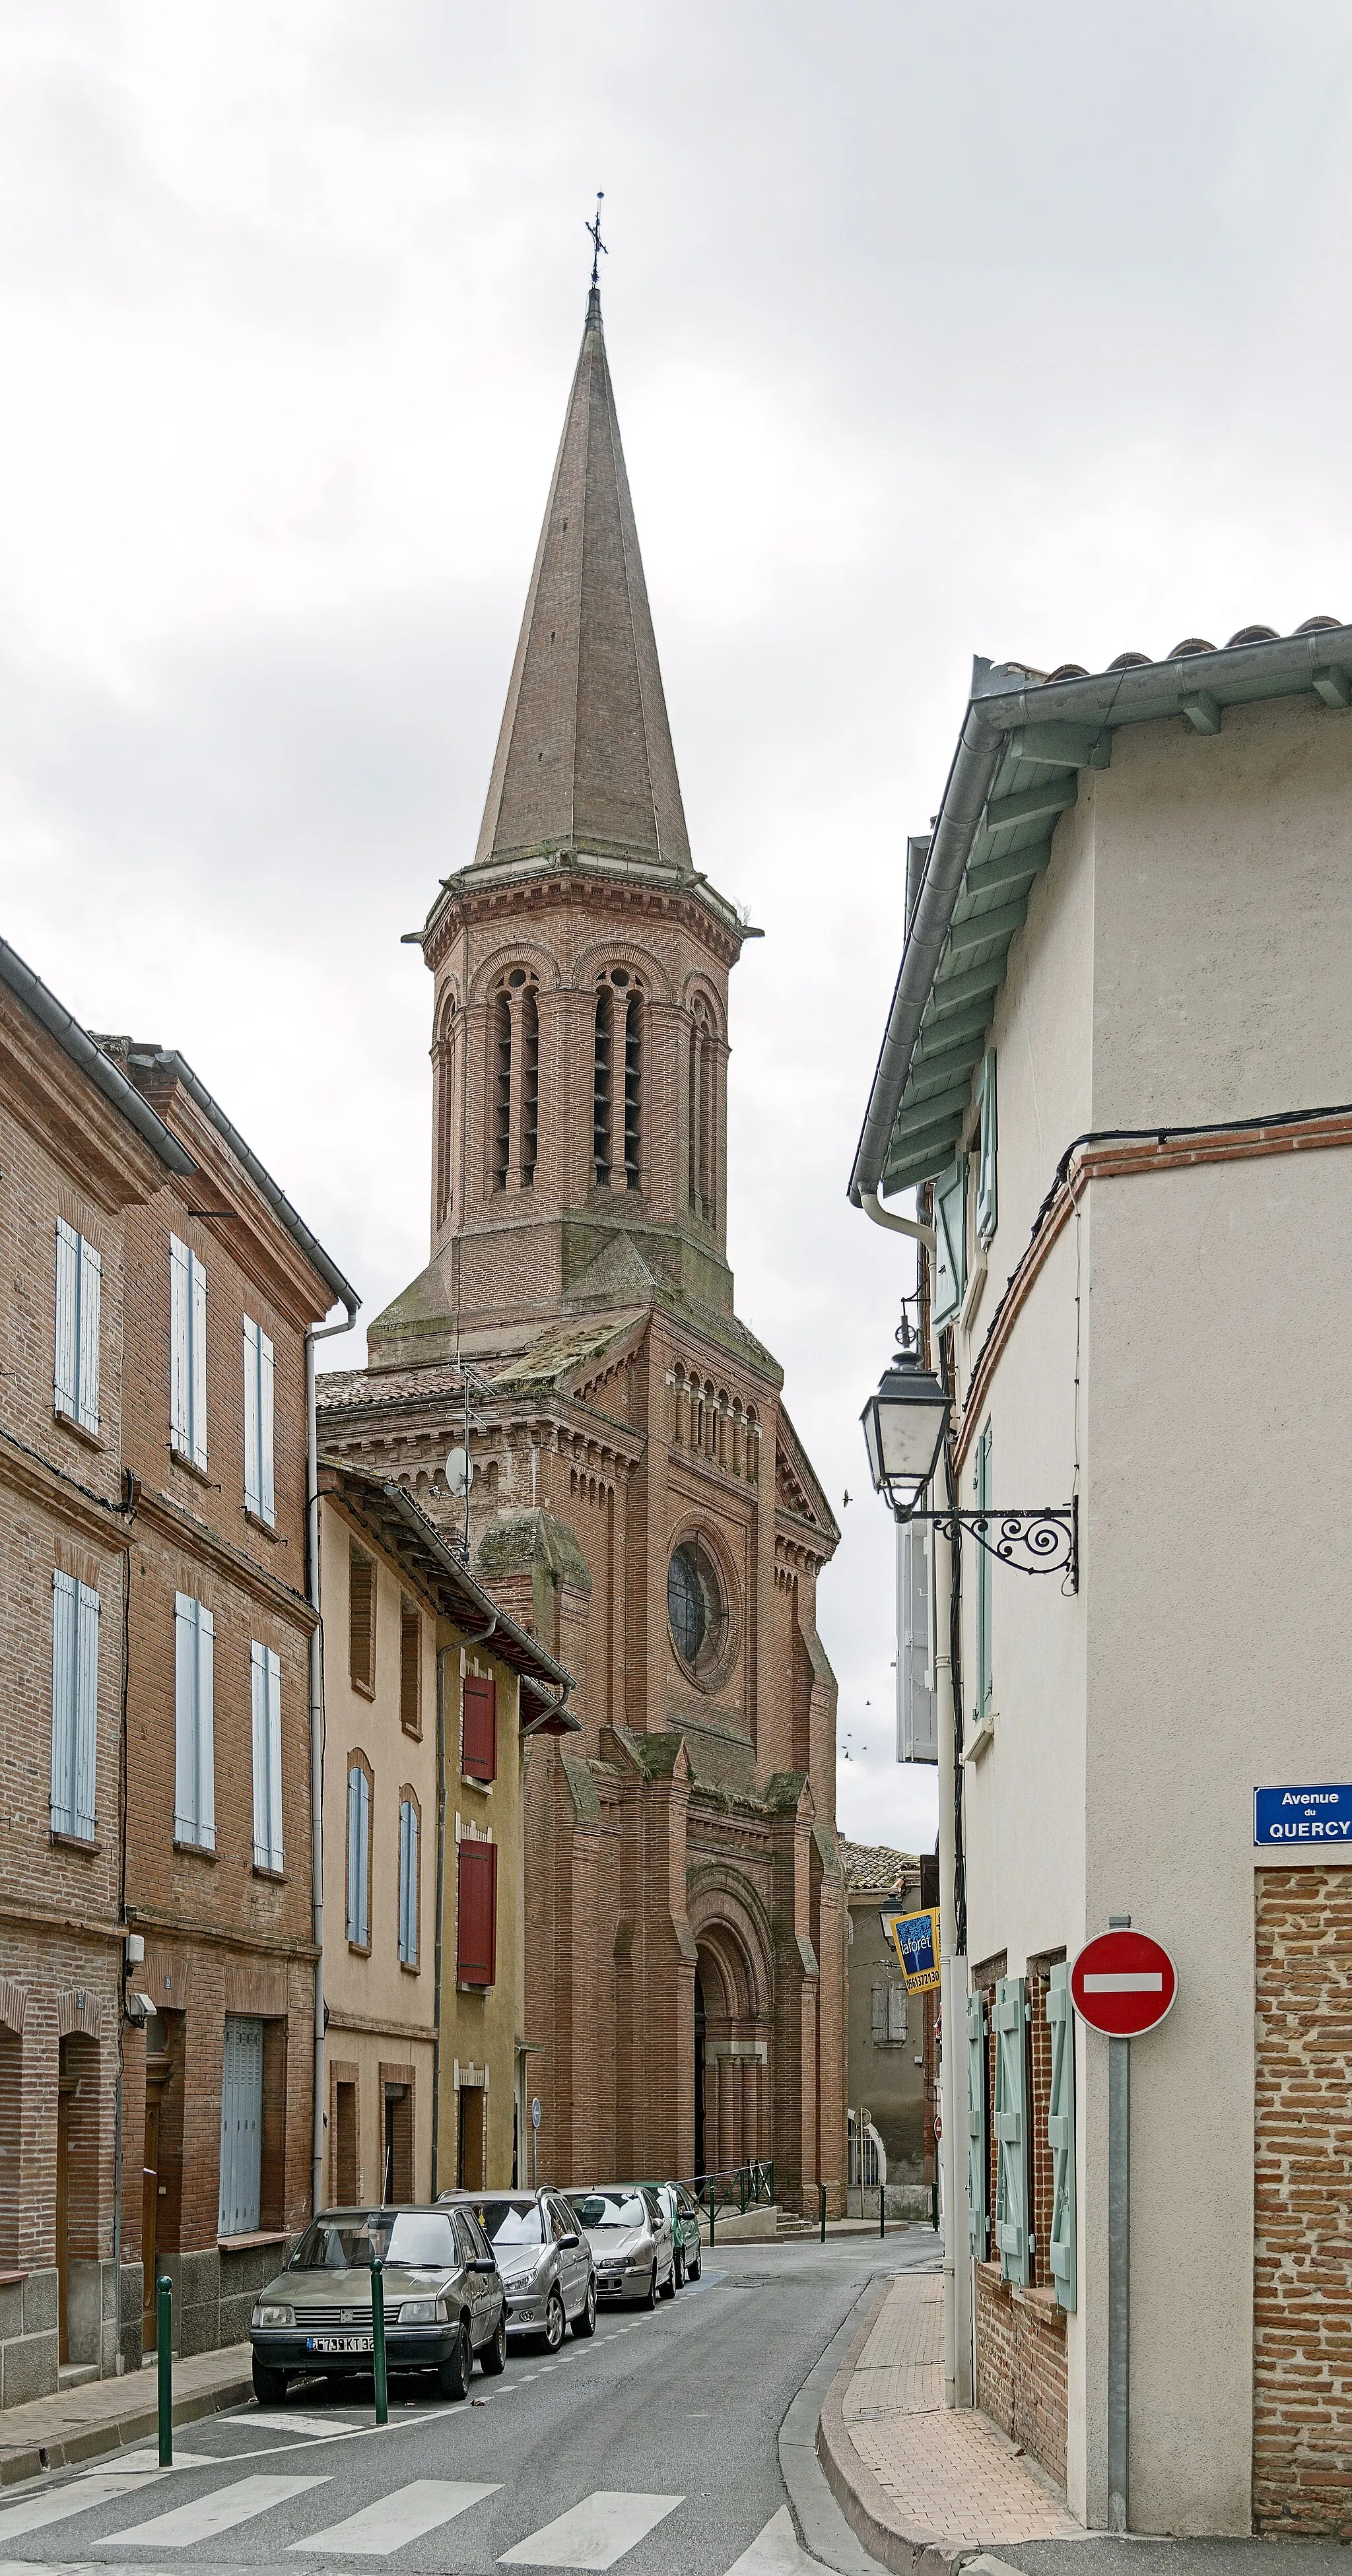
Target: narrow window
633,1075
194,1724
477,1914
601,1081
408,1881
410,1667
530,1087
266,1678
703,1192
479,1744
444,1053
358,1856
878,2000
502,1090
987,1204
188,1354
241,2128
258,1423
75,1702
983,1488
79,1280
950,1230
361,1620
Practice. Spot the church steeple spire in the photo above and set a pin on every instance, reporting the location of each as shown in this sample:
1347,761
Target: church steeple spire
584,759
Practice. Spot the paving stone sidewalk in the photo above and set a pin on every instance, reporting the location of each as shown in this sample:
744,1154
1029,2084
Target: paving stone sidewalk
923,2485
105,2414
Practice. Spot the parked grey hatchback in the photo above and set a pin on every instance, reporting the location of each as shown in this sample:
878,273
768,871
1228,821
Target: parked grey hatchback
545,2260
631,2238
443,2296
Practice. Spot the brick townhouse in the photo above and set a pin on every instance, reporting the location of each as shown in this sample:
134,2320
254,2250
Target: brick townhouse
218,1853
80,1152
1130,926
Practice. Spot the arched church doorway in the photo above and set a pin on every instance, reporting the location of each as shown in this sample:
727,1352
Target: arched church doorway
701,2163
732,2070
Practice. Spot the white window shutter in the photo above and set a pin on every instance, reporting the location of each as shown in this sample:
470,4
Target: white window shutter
251,1423
896,2014
266,1503
66,1376
185,1718
65,1650
86,1710
91,1285
180,1374
206,1728
274,1682
199,1361
364,1854
412,1886
879,2017
258,1679
353,1852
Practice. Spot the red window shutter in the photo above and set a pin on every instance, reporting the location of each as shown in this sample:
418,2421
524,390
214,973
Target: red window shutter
479,1754
477,1920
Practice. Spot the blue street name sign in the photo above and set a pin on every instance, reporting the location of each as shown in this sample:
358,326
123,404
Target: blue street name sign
1322,1815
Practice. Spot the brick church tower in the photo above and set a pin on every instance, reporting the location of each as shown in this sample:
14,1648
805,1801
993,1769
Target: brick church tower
640,1498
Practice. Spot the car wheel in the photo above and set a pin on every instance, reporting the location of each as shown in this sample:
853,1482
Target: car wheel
554,2321
493,2358
584,2323
694,2269
678,2269
453,2376
649,2298
669,2285
269,2386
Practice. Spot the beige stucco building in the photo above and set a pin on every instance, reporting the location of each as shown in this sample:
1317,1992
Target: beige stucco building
1118,1063
431,1697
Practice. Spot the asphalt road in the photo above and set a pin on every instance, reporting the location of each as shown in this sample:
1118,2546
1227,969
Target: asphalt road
658,2441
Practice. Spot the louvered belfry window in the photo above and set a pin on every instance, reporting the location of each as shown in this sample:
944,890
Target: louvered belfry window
75,1705
79,1281
479,1741
361,1618
477,1914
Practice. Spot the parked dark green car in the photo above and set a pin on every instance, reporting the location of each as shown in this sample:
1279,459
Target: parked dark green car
683,2213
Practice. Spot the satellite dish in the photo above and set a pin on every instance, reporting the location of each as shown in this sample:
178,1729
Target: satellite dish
459,1472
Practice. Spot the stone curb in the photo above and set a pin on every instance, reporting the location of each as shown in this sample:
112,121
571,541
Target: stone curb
862,2498
119,2431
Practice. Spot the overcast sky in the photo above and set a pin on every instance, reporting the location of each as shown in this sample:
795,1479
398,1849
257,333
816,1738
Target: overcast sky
934,331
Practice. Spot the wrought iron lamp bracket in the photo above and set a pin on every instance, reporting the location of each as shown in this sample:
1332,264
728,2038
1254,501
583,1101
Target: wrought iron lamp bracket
1032,1542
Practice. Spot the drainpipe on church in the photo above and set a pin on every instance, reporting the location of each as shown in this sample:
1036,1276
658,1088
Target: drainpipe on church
317,1333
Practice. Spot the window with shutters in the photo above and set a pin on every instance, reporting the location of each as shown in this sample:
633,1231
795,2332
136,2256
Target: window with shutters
410,1666
476,1949
409,1836
987,1205
79,1281
258,1423
75,1705
241,2127
479,1731
187,1355
359,1786
896,2013
1010,2123
361,1621
978,2136
917,1705
1061,2137
194,1724
982,1495
266,1679
950,1242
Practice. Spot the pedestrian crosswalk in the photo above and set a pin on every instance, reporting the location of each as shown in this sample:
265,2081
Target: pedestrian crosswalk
379,2529
209,2515
594,2533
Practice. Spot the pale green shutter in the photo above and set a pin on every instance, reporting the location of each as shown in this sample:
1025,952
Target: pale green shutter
66,1376
978,2165
1061,2137
180,1368
950,1241
986,1202
65,1665
354,1902
984,1486
86,1709
91,1285
251,1477
199,1361
1011,2130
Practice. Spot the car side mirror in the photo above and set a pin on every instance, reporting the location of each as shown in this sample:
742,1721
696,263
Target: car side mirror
482,2263
573,2239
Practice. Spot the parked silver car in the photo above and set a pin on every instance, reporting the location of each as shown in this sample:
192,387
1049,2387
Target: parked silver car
546,2262
443,2298
631,2238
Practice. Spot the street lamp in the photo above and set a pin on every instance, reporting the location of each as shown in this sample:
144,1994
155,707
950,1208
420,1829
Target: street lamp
904,1427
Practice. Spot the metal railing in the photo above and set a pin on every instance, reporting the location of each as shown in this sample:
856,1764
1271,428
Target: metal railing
740,2187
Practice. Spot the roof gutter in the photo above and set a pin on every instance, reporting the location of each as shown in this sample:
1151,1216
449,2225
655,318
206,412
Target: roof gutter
79,1046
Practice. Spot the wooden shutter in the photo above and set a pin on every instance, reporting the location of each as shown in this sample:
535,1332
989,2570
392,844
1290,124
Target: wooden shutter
65,1653
1061,2137
266,1680
199,1361
241,2127
408,1883
978,2159
896,2013
917,1711
86,1708
180,1373
479,1755
477,1914
267,1503
1011,2130
983,1483
879,2014
251,1482
950,1231
356,1877
194,1723
410,1667
66,1375
987,1208
361,1618
91,1291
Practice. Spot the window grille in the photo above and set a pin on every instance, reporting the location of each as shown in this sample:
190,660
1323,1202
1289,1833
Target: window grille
194,1723
79,1281
75,1696
258,1422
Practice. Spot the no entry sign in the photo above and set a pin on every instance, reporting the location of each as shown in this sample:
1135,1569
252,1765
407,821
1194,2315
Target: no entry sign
1123,1983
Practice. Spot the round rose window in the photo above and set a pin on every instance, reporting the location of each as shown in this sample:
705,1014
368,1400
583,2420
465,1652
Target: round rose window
696,1613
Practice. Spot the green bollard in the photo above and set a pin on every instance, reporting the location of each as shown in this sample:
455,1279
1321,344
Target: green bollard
378,2342
882,2209
164,2361
823,2211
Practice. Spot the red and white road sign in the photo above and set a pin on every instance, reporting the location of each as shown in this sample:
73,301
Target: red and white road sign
1123,1983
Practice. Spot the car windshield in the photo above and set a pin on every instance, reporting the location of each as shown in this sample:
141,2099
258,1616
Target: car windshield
510,2222
417,2240
612,2209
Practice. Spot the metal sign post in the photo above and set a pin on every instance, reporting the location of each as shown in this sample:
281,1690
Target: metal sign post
535,2146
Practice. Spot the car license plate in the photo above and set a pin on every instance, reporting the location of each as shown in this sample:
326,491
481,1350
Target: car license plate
339,2343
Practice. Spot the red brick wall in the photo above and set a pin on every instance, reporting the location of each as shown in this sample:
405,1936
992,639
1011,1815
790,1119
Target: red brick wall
1021,2366
1302,2428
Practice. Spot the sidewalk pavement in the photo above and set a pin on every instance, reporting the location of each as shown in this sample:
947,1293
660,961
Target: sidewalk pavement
923,2486
106,2414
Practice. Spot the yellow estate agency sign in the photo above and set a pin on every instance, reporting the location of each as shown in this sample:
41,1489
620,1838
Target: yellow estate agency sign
915,1938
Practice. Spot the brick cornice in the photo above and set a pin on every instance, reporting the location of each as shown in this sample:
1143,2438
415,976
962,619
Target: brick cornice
34,1915
187,1928
196,1539
572,888
1130,1158
24,1472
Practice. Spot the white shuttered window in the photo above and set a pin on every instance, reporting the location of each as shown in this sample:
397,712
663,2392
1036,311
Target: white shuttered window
358,1857
194,1723
408,1884
75,1704
241,2127
187,1353
266,1675
79,1281
258,1440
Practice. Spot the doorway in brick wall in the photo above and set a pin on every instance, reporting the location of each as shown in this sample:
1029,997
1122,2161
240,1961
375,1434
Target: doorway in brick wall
77,2168
397,2156
154,2170
471,2172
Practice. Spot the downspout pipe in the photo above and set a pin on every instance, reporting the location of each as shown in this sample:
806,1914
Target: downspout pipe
317,1333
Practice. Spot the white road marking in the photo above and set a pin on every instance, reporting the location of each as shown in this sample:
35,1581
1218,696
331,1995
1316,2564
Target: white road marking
315,2425
593,2534
774,2551
220,2511
33,2512
405,2515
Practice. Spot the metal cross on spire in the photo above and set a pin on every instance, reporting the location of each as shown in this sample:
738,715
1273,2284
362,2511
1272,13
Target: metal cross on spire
598,246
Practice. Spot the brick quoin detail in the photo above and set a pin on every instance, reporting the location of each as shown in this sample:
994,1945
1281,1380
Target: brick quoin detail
1302,2413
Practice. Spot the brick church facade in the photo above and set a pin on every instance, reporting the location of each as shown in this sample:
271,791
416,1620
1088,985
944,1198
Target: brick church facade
640,1498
